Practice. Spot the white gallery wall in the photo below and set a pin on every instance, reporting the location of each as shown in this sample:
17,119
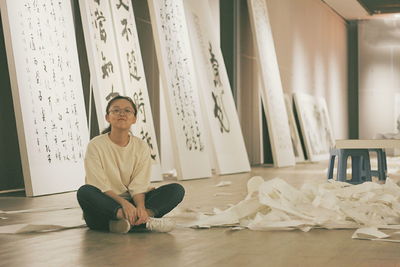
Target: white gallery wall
311,46
379,79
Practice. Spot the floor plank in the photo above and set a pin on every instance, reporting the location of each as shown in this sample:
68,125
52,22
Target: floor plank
183,246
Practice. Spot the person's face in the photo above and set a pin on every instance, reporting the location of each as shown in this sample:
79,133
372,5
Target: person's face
121,115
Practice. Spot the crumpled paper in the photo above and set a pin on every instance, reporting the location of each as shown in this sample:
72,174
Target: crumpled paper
276,205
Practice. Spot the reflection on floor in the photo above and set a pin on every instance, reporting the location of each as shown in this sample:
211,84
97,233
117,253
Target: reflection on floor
184,246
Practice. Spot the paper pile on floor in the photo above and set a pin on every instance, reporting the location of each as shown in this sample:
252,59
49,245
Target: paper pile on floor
276,205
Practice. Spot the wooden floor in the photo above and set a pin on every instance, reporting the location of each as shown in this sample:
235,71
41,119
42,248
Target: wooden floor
185,246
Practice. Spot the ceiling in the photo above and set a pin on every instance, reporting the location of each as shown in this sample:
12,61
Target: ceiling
364,9
381,6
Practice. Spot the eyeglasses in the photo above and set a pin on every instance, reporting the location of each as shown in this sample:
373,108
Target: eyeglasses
118,111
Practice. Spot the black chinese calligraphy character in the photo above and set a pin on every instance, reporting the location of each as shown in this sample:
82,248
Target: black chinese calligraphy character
123,5
126,31
99,24
146,137
139,102
215,66
107,67
112,94
220,114
43,115
132,64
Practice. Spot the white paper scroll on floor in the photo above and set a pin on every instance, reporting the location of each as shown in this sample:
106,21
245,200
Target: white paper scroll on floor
47,220
372,233
219,107
276,205
25,228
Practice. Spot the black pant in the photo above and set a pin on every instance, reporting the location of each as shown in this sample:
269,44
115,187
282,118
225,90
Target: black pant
99,209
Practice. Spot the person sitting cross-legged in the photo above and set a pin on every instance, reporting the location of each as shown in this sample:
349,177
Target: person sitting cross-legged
116,196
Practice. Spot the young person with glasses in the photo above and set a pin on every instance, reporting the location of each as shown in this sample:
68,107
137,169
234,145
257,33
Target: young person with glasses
117,196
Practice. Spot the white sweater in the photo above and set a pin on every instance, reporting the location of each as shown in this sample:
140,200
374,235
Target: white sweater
120,169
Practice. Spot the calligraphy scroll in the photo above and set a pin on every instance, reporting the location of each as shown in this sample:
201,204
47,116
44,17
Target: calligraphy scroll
179,82
133,77
221,115
102,54
47,93
294,133
315,125
271,91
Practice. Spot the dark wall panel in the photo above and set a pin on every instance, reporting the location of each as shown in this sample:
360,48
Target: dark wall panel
10,161
352,44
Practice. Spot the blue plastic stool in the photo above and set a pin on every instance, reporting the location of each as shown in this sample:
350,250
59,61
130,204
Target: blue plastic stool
381,173
360,165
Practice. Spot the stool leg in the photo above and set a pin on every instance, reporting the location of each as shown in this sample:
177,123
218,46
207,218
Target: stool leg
331,166
356,169
361,166
342,167
375,172
384,162
367,168
380,171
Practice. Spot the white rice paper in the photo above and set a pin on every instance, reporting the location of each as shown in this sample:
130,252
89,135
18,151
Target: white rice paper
276,205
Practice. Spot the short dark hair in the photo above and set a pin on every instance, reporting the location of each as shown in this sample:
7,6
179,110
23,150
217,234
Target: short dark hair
127,98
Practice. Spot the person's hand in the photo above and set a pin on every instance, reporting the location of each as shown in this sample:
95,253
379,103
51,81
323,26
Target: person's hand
130,212
142,216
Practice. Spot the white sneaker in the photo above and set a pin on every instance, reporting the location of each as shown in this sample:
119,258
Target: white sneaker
119,226
161,225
